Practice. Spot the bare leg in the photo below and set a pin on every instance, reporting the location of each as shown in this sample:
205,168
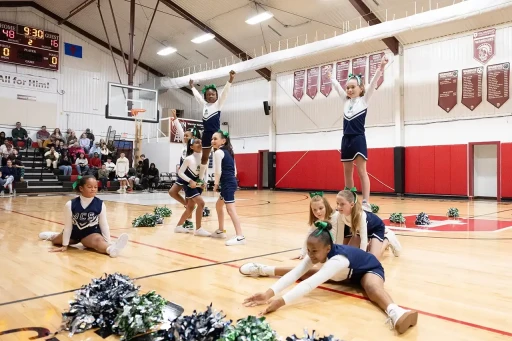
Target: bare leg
199,210
57,241
363,176
174,192
348,170
355,241
186,213
95,241
231,208
346,241
219,206
385,245
376,248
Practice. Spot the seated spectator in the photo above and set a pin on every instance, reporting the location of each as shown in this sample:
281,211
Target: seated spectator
75,150
132,179
19,134
103,177
52,157
71,139
43,137
6,150
56,137
65,165
122,167
15,158
90,136
145,165
153,178
95,149
2,138
85,143
112,150
104,152
63,149
111,167
7,175
95,164
82,164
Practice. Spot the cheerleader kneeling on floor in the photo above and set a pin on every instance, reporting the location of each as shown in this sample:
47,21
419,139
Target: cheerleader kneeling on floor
85,221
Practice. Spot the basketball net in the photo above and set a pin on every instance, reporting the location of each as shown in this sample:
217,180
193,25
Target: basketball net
137,148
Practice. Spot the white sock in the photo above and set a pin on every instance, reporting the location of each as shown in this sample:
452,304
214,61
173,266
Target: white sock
269,270
391,307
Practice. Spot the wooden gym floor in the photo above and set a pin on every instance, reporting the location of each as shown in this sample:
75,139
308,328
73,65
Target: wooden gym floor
459,281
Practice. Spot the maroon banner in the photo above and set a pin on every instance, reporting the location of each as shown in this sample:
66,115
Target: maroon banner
374,65
359,67
472,87
298,84
188,125
448,90
312,88
498,84
484,45
342,73
325,81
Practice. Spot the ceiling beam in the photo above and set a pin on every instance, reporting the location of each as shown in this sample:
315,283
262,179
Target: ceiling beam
265,73
392,43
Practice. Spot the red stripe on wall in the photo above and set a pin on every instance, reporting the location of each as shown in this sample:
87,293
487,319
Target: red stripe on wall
506,167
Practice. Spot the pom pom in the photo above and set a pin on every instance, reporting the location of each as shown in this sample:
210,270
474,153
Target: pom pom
162,212
98,303
145,220
422,219
311,337
250,328
453,212
375,208
206,212
140,315
397,218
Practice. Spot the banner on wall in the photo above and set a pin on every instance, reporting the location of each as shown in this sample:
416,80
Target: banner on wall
448,90
20,81
498,84
312,87
374,64
325,81
298,84
342,72
187,125
359,67
484,45
472,87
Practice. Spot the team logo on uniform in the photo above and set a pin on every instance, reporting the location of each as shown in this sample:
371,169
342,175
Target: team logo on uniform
85,219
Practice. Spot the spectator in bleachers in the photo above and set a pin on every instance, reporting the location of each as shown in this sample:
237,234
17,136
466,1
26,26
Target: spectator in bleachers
52,158
43,137
90,136
103,177
82,164
153,177
145,165
71,139
56,137
63,149
7,175
85,143
122,167
132,178
65,165
111,167
75,150
19,134
104,152
2,138
112,150
95,164
95,149
15,158
6,150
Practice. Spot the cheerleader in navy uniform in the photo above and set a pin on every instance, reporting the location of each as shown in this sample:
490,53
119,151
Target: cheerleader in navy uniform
365,227
212,106
85,221
189,173
353,143
342,262
225,170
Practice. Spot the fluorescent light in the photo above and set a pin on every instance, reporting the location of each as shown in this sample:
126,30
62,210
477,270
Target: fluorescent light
203,38
259,18
167,51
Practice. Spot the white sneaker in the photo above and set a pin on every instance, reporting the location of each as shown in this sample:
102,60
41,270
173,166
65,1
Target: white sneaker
395,245
120,190
236,240
48,235
366,206
253,269
115,249
401,319
183,229
202,233
219,234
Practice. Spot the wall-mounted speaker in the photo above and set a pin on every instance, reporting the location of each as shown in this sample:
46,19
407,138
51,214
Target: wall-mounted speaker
266,108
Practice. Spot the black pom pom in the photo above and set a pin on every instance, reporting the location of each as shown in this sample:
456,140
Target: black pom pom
422,219
206,212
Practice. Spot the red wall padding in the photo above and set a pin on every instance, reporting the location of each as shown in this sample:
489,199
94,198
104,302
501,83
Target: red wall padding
439,170
506,167
322,170
247,169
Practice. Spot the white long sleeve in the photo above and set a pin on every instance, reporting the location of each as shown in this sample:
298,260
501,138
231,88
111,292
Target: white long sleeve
183,168
68,224
217,163
371,88
363,232
104,227
68,220
337,267
292,276
197,95
179,128
338,228
339,89
223,95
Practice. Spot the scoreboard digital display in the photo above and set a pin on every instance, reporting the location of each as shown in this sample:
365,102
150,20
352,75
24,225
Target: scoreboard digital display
29,46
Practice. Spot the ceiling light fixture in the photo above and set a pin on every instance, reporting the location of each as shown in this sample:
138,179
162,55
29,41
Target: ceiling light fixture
203,38
166,51
259,18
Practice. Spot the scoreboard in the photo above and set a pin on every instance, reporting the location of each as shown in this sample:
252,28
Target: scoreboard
29,46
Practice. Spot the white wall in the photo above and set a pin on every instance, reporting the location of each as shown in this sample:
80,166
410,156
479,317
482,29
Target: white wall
485,171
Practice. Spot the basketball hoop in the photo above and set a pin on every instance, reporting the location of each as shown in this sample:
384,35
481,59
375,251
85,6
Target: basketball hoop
136,112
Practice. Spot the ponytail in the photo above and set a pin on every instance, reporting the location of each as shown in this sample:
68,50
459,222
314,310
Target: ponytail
227,145
355,215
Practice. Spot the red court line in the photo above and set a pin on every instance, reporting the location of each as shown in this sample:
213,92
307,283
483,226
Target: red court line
441,317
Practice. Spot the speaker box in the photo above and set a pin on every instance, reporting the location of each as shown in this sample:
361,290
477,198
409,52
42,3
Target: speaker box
266,108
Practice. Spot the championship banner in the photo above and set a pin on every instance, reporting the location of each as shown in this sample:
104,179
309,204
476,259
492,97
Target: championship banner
498,84
298,84
484,45
187,125
447,84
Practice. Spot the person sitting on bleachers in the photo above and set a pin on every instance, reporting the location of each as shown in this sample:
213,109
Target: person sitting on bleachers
43,137
19,134
111,167
65,165
74,151
52,157
90,136
95,164
153,177
132,179
71,138
63,148
82,164
95,149
103,177
2,138
15,158
6,150
85,143
104,152
56,137
112,151
8,174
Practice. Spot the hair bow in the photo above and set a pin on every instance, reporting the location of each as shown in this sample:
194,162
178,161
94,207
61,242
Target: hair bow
357,77
76,182
224,133
322,226
314,194
208,87
354,192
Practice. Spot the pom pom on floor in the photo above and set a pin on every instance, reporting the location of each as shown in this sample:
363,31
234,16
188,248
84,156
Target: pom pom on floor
375,208
312,337
397,218
163,212
206,212
145,220
453,212
250,328
422,219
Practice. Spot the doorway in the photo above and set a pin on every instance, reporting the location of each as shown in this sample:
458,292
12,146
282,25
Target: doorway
484,170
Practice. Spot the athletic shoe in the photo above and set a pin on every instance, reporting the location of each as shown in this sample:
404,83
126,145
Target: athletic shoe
237,240
366,206
183,229
202,233
219,234
253,269
48,235
401,319
395,245
115,249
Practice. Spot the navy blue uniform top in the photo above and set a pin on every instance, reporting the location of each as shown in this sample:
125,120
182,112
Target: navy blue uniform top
88,217
360,261
228,168
211,111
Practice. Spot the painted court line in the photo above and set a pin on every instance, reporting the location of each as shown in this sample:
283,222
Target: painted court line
441,317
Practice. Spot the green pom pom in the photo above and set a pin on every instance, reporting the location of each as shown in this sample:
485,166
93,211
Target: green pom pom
453,212
162,212
397,218
250,328
375,208
145,220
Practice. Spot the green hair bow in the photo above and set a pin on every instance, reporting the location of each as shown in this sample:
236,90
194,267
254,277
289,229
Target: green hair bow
208,87
357,77
321,227
223,133
354,192
76,182
314,194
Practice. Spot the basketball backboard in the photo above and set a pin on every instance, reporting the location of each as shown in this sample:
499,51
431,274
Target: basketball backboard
123,98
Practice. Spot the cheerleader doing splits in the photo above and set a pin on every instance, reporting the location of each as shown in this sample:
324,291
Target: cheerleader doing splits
85,221
342,262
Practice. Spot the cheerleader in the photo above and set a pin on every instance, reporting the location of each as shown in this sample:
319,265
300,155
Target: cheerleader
189,173
212,105
85,221
353,143
340,262
224,162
